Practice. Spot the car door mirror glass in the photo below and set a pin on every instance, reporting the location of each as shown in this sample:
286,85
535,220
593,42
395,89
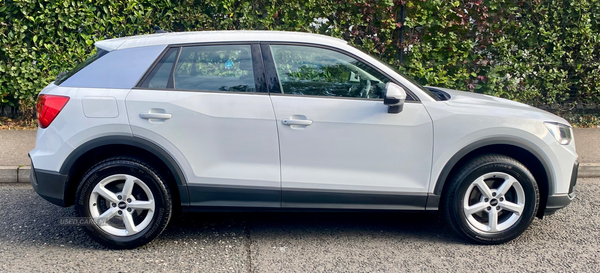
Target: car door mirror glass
394,97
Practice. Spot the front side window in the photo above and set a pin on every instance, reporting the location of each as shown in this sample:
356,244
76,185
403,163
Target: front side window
215,68
312,71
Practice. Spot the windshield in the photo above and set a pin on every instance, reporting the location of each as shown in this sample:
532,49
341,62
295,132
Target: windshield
425,90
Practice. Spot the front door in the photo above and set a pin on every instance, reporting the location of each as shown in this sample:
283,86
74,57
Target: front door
339,146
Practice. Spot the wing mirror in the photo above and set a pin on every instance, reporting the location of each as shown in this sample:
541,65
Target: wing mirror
394,98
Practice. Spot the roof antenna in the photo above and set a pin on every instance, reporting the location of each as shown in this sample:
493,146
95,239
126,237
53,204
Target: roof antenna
157,29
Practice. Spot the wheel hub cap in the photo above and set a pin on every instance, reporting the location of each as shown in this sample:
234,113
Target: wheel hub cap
494,202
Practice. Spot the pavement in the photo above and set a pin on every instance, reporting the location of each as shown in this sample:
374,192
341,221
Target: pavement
32,240
15,145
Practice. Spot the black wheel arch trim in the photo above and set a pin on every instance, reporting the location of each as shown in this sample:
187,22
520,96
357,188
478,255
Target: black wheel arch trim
520,143
556,202
166,158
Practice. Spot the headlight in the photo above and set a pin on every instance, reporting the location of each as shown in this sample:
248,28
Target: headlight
561,132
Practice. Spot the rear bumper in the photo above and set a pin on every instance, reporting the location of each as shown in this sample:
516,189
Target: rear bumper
49,185
559,201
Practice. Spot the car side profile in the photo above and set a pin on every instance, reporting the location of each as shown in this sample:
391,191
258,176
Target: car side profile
155,124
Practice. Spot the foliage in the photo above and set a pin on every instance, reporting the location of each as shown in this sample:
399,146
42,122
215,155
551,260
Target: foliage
542,52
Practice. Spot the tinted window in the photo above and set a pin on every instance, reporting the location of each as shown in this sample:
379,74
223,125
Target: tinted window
215,68
119,69
312,71
161,74
61,78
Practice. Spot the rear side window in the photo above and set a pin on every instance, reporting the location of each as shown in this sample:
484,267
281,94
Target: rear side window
160,77
204,68
118,69
64,76
215,68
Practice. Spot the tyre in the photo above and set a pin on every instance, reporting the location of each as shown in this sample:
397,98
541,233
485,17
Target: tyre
128,201
491,200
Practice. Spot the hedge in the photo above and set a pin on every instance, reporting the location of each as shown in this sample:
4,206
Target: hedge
542,52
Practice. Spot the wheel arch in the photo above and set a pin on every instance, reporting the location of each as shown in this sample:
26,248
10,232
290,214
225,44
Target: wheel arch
96,150
526,153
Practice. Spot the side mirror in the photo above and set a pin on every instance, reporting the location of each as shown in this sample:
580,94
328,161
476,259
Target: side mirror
394,97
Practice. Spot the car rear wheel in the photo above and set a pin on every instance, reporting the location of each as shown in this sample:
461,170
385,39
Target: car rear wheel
127,201
491,200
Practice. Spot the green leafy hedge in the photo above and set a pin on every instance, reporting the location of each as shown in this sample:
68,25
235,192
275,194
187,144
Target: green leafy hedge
542,52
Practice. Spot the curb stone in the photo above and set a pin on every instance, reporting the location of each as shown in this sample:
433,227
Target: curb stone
8,174
20,174
23,174
14,174
589,170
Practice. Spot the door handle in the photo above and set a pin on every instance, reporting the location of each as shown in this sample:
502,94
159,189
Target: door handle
155,115
304,122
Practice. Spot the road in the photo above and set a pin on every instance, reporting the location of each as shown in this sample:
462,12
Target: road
32,240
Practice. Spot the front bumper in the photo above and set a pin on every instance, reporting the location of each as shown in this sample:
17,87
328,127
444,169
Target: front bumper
559,201
49,185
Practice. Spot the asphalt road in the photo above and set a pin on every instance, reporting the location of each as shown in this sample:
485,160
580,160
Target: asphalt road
32,240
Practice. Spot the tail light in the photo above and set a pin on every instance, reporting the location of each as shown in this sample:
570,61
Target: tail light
48,107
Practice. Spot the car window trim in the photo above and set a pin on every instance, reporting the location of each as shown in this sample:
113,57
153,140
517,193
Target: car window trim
151,67
171,80
270,68
257,67
150,72
273,83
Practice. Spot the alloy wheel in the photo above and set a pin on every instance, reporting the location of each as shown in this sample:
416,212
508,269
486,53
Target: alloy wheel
122,205
493,202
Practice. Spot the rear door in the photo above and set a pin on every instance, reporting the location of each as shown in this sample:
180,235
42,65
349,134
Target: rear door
339,146
208,106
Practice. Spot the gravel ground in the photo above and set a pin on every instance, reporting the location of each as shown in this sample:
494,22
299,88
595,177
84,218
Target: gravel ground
32,240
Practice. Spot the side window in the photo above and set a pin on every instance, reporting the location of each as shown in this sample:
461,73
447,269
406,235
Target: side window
215,68
160,75
64,76
311,71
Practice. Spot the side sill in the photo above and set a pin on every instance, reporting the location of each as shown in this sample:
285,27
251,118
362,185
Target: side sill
342,199
231,196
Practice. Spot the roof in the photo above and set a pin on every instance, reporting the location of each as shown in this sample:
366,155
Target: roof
215,36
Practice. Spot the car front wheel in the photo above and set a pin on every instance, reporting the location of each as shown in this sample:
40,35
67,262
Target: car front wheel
491,200
127,201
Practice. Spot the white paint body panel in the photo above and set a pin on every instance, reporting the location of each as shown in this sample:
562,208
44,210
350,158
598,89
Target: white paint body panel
217,138
72,128
354,145
100,107
468,118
